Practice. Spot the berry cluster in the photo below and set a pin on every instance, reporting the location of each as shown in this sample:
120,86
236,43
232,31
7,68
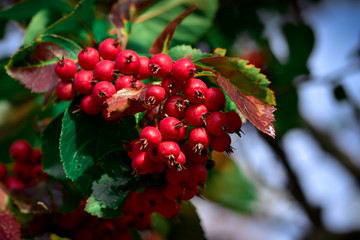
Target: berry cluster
189,120
27,169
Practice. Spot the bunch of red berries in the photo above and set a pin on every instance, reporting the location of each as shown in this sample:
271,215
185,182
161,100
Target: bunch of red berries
27,168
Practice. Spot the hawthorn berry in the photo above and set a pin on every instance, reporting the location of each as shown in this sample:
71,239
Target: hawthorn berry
234,125
160,65
195,90
102,91
88,57
171,84
152,198
127,82
168,152
84,82
172,129
196,157
199,138
197,175
109,48
14,183
189,193
65,91
154,95
127,62
143,72
175,106
150,138
215,99
169,208
184,69
20,151
36,156
22,171
141,164
65,69
90,105
196,114
104,70
217,123
221,143
172,192
37,173
133,148
176,177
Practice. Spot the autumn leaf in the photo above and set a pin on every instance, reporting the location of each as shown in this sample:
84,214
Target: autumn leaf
123,14
246,77
164,39
258,113
128,101
34,65
9,227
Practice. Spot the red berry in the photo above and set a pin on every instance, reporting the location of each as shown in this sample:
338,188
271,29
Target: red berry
84,82
195,90
189,193
22,171
160,65
3,172
172,192
199,138
175,106
175,177
102,91
20,151
234,121
141,164
133,148
152,198
154,95
127,62
104,229
127,82
36,156
196,114
215,99
169,208
217,123
172,129
196,157
88,57
180,162
168,152
109,48
65,91
90,105
14,183
65,69
197,175
171,84
104,70
184,69
143,72
221,143
157,167
37,173
150,138
142,222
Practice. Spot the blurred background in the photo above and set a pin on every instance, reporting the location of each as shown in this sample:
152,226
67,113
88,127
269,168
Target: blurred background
305,184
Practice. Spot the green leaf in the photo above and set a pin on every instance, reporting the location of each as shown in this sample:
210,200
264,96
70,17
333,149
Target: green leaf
71,197
117,165
110,192
186,51
227,185
34,64
95,208
56,237
188,226
247,78
151,22
51,162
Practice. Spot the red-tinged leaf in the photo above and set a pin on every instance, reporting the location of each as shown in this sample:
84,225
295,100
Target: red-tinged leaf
258,113
9,227
246,77
123,14
164,39
34,65
128,101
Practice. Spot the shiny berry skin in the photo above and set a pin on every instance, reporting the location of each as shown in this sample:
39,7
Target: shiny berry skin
175,177
150,138
235,122
196,114
160,65
168,152
102,91
180,162
14,183
175,106
104,70
171,84
199,138
141,164
221,143
154,95
184,69
215,99
65,69
90,105
169,208
20,151
88,57
172,129
65,91
196,157
127,82
197,175
84,82
3,172
172,192
143,72
217,123
195,90
109,48
127,62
